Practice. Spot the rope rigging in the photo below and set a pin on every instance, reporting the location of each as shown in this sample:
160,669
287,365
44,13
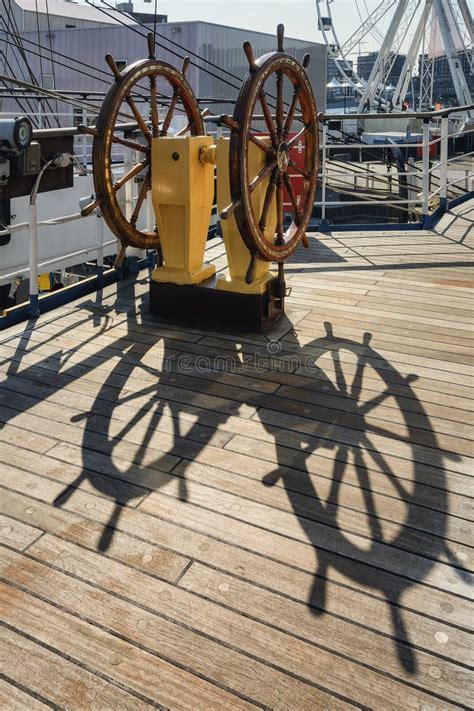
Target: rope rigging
198,65
12,29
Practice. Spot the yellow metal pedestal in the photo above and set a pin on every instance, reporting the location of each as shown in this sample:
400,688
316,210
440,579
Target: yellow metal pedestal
183,171
182,193
238,255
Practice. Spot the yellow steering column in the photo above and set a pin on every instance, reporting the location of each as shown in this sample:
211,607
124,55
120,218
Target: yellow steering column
182,194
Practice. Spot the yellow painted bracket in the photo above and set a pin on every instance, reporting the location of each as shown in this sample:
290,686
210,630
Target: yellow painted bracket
182,194
238,255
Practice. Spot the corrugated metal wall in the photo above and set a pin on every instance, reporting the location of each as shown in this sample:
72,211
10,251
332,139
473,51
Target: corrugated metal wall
219,44
223,46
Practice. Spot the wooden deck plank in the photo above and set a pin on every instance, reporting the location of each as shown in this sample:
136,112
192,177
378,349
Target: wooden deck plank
16,534
164,564
348,492
288,653
283,537
14,699
281,403
141,637
142,672
51,676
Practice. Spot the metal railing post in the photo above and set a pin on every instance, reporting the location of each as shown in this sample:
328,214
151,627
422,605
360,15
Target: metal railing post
411,184
443,155
323,170
84,139
150,213
129,157
100,252
426,166
33,230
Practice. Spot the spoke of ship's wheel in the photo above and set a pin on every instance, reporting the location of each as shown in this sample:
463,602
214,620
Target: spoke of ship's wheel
340,377
184,130
137,417
372,518
266,170
382,432
134,396
380,461
291,112
140,199
134,145
256,141
153,106
372,404
279,240
340,464
138,117
268,119
291,194
169,113
298,136
131,174
356,387
299,170
279,104
267,202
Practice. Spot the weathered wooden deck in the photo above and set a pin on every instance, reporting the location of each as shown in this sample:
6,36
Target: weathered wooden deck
197,520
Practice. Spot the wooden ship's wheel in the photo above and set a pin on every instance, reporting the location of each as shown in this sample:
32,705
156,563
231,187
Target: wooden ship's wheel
267,76
271,191
140,79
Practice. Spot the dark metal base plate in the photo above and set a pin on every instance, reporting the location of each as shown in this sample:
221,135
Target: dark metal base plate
203,304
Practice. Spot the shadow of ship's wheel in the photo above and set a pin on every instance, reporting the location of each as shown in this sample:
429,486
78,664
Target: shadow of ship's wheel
364,448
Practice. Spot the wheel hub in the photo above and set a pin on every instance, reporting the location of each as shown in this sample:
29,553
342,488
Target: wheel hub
283,157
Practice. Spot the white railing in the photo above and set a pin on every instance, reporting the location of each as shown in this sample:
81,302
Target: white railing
420,185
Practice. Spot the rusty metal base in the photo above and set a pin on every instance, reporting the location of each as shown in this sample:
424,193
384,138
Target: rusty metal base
203,304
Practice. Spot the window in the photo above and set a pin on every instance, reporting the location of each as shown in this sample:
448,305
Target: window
77,116
121,64
70,27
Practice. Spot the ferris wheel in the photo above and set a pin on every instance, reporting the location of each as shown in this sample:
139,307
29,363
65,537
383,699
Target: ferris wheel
429,28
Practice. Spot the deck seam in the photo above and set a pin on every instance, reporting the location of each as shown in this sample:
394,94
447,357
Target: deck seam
26,690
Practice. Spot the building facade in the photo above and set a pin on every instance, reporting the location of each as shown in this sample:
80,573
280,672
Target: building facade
443,85
333,71
365,64
213,49
50,15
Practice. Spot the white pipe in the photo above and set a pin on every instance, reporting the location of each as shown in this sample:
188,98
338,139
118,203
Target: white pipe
33,259
41,223
364,202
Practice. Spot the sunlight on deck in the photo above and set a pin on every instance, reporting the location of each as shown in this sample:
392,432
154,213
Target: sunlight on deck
202,520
